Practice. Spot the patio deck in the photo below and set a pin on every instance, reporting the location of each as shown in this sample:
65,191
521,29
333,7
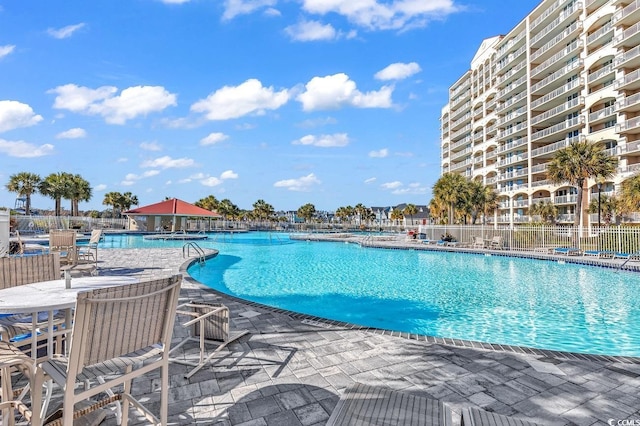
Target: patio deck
291,370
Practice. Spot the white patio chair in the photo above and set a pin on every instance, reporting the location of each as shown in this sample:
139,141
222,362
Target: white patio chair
119,333
210,325
89,252
12,360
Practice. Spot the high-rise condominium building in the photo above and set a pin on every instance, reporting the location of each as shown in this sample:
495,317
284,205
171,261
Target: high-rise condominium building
568,71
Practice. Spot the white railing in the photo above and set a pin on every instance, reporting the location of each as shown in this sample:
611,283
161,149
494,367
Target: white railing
42,224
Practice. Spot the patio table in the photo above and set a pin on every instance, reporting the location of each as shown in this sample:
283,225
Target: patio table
49,296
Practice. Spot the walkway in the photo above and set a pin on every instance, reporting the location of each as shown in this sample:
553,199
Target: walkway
291,370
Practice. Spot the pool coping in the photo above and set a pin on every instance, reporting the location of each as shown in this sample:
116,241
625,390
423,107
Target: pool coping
447,341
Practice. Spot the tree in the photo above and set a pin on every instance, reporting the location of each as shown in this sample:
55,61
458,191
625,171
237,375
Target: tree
451,190
546,210
607,207
359,210
263,210
79,190
576,164
307,212
208,203
396,215
227,209
344,213
630,195
24,184
481,198
127,200
57,186
410,210
112,199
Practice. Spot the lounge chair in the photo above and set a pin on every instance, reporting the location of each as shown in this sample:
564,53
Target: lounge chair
601,254
374,405
568,251
89,252
210,325
29,247
496,243
478,417
478,242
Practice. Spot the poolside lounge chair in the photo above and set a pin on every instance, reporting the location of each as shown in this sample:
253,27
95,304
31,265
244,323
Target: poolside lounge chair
496,243
90,251
374,405
478,417
478,242
601,254
29,247
568,251
210,325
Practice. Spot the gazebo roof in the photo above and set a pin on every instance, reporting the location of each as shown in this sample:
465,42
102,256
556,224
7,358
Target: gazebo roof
173,207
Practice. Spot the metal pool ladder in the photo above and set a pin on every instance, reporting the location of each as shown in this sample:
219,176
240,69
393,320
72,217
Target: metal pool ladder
186,251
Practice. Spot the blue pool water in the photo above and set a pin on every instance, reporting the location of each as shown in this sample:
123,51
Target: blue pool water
495,299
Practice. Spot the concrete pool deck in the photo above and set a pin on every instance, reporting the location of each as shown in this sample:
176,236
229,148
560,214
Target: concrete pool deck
291,370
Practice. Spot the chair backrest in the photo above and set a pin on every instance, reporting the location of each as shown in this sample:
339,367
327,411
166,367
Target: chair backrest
115,321
62,239
96,236
15,271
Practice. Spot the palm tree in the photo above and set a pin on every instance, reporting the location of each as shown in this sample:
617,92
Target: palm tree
359,210
208,203
227,209
410,210
263,210
481,198
307,212
24,184
112,199
546,210
630,194
127,200
57,186
396,215
608,206
79,190
451,190
576,164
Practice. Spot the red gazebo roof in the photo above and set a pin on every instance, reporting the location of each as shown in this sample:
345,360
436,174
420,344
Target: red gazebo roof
173,207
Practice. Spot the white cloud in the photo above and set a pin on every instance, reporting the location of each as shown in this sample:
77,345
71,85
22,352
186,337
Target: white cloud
233,8
213,138
64,32
324,141
6,49
75,133
311,31
394,15
116,109
379,154
370,180
167,162
100,187
122,160
211,181
392,185
249,97
398,71
151,146
302,184
14,114
131,178
228,174
334,91
23,149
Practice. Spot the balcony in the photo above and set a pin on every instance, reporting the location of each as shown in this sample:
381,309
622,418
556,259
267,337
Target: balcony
512,73
629,59
546,50
629,103
573,103
466,129
511,58
512,145
600,33
627,15
504,49
630,81
457,155
601,115
628,37
513,174
556,76
541,200
511,87
629,126
632,169
539,168
512,101
553,96
538,183
557,59
600,74
462,143
548,149
461,121
514,115
560,127
630,148
461,165
513,130
520,203
541,36
566,199
512,160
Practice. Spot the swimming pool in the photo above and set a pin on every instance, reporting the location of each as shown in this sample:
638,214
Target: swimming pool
513,301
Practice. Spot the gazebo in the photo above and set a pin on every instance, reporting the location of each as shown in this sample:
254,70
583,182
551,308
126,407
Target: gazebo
168,215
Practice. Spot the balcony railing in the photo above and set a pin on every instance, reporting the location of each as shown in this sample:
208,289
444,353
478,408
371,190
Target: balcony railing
628,79
628,55
560,73
602,114
550,148
628,33
566,199
557,110
626,11
513,144
558,92
627,125
557,39
558,56
601,72
557,128
599,32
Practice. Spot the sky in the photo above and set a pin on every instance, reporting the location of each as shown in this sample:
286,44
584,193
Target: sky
328,102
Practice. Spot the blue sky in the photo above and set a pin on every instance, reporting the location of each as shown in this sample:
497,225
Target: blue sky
329,102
